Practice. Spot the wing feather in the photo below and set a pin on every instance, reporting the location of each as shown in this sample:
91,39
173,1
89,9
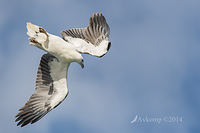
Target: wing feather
94,39
47,95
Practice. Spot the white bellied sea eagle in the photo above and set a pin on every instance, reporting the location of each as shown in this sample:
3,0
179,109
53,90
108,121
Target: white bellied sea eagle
51,83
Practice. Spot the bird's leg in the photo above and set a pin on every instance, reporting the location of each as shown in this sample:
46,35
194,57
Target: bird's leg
42,30
35,43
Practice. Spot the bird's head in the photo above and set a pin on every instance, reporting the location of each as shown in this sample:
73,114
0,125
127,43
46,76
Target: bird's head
81,62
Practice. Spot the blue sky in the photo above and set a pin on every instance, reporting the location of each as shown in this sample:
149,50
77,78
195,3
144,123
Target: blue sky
151,71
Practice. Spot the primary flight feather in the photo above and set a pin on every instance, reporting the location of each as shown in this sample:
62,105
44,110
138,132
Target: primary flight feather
51,83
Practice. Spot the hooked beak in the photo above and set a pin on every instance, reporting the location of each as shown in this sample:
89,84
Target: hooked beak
82,65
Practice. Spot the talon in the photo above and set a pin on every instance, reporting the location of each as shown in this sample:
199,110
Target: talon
33,40
42,30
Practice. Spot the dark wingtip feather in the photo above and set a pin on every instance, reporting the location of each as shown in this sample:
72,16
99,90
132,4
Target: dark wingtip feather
109,46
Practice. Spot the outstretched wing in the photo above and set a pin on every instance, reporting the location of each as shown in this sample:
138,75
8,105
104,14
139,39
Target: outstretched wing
51,90
94,39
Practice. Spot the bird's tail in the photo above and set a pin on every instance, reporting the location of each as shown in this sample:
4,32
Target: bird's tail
38,35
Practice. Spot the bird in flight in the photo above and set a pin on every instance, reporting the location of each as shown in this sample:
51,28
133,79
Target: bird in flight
51,83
